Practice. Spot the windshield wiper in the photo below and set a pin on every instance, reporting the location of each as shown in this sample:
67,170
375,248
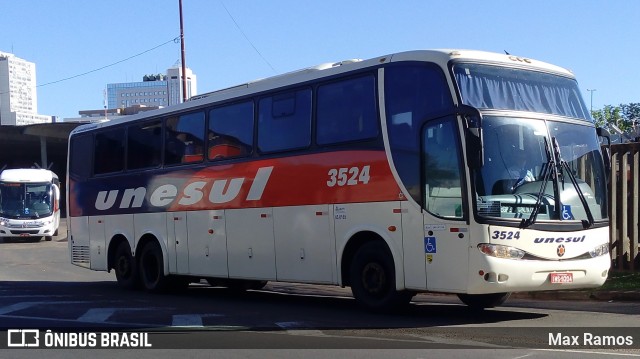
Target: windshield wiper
549,167
564,167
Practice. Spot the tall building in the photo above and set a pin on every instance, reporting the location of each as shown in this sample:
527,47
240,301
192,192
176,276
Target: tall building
175,84
154,90
18,98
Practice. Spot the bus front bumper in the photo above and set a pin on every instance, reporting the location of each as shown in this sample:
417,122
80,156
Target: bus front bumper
495,275
10,228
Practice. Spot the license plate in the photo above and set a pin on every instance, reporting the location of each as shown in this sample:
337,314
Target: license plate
24,234
561,278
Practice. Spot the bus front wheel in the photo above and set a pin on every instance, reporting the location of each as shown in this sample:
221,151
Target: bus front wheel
373,281
125,267
482,301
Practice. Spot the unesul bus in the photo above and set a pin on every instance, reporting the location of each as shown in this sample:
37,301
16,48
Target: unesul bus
392,176
29,203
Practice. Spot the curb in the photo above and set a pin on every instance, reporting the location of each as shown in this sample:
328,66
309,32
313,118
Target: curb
605,296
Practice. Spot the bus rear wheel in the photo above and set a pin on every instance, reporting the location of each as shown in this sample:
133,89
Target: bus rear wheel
373,281
151,269
483,301
125,267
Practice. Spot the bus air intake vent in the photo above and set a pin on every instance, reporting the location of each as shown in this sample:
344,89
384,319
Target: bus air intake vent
80,254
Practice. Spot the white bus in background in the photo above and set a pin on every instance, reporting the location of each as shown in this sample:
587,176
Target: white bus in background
29,203
392,175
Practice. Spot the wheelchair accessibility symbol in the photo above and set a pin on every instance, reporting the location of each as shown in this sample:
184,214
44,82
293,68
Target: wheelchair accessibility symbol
566,212
430,244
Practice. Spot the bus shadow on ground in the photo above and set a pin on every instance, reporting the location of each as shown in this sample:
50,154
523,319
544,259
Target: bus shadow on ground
253,310
331,312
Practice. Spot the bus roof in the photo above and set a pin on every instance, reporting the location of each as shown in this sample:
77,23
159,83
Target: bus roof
27,175
439,56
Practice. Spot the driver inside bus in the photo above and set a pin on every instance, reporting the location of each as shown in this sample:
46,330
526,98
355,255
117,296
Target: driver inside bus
518,173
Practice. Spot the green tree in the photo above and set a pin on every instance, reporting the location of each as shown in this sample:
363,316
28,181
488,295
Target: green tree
607,115
630,113
623,116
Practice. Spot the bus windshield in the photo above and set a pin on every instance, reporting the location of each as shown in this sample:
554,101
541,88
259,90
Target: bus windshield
25,200
522,163
503,88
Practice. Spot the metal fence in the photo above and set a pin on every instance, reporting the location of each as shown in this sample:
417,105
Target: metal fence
624,206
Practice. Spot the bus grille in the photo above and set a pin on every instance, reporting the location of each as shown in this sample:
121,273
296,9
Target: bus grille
25,232
80,254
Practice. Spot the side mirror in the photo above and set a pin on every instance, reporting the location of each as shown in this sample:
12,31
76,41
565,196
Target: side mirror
603,135
473,135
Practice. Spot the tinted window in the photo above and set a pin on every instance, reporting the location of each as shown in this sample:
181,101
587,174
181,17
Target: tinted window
231,131
285,121
144,143
504,88
184,139
442,174
81,155
109,151
413,93
347,111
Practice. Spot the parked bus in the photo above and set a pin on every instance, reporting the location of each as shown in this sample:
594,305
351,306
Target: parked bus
29,203
392,176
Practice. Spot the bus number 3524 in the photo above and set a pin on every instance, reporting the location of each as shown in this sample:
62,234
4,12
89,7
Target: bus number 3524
348,176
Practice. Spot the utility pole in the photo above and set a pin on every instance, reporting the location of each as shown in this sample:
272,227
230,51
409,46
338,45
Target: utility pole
184,66
591,90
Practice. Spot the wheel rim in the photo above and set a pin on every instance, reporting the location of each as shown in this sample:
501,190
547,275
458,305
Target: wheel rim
374,279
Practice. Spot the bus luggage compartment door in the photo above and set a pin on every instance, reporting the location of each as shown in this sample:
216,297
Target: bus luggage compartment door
251,243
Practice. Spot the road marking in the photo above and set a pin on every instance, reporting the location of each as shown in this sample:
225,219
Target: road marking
187,320
36,296
294,328
101,315
191,320
24,305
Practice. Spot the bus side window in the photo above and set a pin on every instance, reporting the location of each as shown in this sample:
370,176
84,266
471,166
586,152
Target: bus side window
231,131
284,121
184,139
144,145
80,163
346,111
109,151
413,93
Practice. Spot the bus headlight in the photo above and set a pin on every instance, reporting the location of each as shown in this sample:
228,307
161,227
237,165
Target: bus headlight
599,250
500,251
3,222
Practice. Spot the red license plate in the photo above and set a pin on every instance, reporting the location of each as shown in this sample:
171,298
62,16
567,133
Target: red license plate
561,278
24,234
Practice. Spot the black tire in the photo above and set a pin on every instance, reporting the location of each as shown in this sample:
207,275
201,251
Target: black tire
125,267
151,269
48,238
373,279
56,232
483,301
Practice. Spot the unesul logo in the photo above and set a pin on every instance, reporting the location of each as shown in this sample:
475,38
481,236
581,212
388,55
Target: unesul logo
560,250
217,191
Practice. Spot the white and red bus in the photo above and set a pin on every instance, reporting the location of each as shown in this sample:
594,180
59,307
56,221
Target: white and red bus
391,175
29,203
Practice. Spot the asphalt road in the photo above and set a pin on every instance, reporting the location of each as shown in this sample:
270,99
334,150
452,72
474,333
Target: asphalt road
40,289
